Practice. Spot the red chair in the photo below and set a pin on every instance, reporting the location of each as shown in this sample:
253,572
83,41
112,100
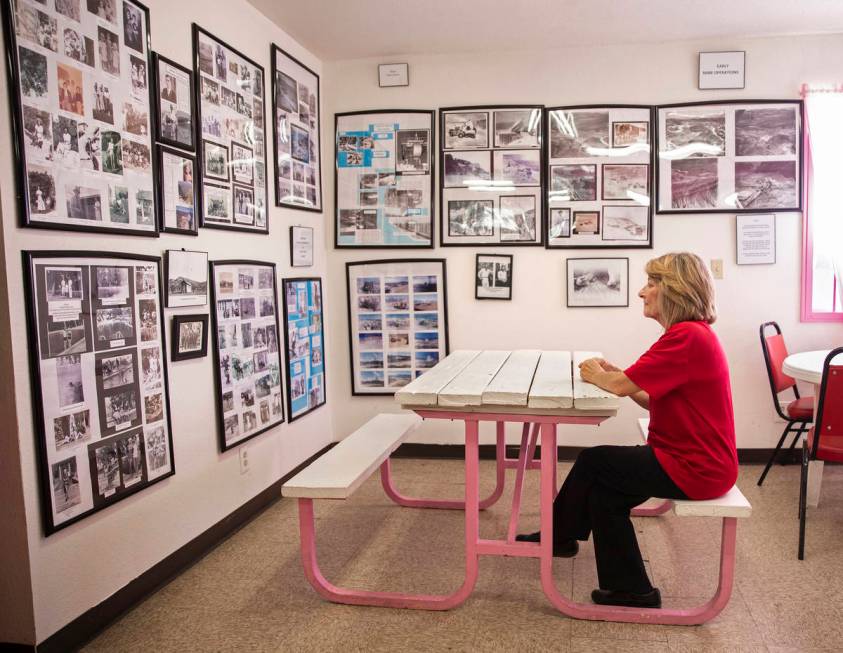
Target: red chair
825,440
800,412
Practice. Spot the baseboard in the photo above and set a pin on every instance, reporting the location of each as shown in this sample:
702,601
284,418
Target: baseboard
7,647
92,622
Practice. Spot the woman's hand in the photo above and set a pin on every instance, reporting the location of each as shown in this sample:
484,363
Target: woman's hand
606,365
590,368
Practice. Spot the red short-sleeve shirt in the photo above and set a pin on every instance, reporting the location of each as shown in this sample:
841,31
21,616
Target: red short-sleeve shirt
692,424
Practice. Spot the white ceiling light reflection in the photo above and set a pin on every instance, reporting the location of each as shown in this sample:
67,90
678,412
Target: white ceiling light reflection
689,150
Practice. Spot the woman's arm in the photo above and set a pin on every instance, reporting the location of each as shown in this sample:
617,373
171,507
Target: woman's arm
642,399
594,370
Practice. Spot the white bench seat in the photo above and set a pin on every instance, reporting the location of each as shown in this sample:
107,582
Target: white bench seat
340,471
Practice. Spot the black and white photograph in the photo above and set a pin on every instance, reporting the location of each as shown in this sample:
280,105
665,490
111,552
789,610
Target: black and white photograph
109,51
471,217
522,168
625,223
597,282
492,280
69,380
217,206
286,93
65,479
766,132
242,164
412,151
177,192
517,217
42,191
117,371
105,9
132,27
573,182
114,327
560,223
244,205
766,184
121,410
517,128
33,74
586,222
626,181
112,284
215,159
187,278
151,368
63,284
694,183
148,316
697,133
107,465
577,134
466,130
629,133
463,169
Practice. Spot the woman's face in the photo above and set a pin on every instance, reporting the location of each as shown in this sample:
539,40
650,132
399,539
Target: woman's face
650,294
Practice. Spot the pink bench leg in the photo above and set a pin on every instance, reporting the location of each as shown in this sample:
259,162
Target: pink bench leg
687,617
653,511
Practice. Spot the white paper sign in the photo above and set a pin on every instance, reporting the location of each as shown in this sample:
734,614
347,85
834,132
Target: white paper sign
393,74
301,247
756,239
722,70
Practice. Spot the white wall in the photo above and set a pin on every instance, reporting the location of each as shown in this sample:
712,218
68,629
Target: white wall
537,317
83,564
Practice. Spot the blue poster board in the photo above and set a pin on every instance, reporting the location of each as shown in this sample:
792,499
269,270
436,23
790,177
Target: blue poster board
305,341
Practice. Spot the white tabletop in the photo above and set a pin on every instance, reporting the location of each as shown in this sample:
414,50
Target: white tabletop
808,365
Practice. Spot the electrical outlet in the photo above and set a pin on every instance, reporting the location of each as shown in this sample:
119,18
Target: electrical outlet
244,460
717,268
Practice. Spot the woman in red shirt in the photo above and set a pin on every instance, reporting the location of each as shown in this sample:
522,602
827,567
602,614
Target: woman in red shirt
683,380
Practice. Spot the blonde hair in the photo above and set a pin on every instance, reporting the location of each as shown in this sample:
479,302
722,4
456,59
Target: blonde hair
686,288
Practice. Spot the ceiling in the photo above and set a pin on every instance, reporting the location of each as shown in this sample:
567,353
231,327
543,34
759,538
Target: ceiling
353,29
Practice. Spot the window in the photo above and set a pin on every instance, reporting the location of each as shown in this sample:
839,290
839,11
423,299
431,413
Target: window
822,239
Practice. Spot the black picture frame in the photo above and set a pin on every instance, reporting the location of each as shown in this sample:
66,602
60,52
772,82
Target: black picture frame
293,246
291,361
35,336
569,280
730,153
178,320
22,182
225,444
430,244
161,151
442,327
258,133
170,284
157,60
494,281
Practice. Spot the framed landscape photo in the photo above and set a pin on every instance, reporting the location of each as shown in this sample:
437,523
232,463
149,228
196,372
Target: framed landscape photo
600,169
383,195
190,337
493,276
492,179
99,379
304,337
81,115
174,103
187,278
730,157
231,136
597,282
398,322
177,195
247,356
301,246
296,126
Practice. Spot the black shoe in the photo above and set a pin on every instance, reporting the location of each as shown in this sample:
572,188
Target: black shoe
651,599
567,549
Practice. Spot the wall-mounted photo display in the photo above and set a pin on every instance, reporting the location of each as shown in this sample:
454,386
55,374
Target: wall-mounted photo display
187,278
248,361
190,337
730,157
398,322
81,115
492,176
231,141
383,195
174,97
599,176
177,194
99,379
296,127
493,276
301,247
597,282
305,339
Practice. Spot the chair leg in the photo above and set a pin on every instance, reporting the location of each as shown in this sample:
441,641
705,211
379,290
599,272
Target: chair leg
803,427
803,493
775,453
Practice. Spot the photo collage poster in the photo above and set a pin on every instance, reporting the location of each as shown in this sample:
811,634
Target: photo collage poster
247,355
232,146
305,346
82,114
384,182
492,176
175,104
397,322
99,361
177,192
730,157
295,107
599,177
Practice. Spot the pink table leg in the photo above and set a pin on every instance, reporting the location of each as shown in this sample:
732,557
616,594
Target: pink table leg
525,453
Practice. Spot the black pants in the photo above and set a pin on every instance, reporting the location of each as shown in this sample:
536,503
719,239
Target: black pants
604,484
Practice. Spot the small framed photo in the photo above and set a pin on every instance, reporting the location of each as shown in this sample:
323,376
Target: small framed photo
493,276
174,103
560,223
393,74
177,192
598,282
187,278
190,337
301,247
215,161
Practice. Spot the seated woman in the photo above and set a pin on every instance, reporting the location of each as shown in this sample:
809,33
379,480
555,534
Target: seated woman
683,379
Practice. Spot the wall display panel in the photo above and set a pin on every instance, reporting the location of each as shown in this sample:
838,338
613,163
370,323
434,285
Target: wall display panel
730,157
248,361
599,176
296,127
398,322
231,142
177,195
305,339
492,176
174,103
81,114
99,379
383,195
